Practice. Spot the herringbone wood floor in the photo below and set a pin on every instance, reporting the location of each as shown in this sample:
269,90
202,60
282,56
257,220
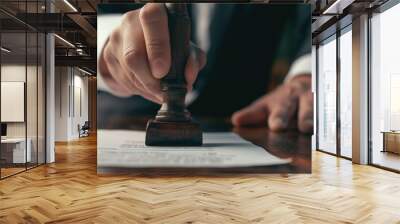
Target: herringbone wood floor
70,191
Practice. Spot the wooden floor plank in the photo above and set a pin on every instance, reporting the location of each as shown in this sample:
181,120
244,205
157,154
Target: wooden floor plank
70,191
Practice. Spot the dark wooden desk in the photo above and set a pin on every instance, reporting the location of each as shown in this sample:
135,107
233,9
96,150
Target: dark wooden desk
282,144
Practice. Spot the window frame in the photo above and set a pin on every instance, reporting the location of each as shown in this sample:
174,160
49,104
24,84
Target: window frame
346,27
378,10
26,30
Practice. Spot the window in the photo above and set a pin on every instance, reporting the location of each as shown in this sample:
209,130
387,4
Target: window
385,89
346,92
22,78
327,96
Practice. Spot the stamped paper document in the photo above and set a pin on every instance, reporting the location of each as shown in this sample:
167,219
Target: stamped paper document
126,149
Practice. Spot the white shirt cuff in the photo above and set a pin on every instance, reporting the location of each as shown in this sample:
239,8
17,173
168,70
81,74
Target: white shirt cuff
301,66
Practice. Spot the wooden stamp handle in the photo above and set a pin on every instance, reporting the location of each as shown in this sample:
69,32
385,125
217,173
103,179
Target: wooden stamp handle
173,85
179,34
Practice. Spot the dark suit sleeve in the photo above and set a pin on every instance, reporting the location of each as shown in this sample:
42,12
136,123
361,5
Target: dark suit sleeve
296,37
304,39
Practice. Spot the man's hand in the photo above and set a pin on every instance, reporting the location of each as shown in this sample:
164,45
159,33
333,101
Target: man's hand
137,54
291,101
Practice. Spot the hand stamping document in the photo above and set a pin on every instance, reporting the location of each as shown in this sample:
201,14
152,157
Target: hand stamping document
127,149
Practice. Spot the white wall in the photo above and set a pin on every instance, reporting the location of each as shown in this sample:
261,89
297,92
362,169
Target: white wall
61,103
16,73
33,126
71,94
80,110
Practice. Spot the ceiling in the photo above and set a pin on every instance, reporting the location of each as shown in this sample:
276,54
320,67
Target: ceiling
75,21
